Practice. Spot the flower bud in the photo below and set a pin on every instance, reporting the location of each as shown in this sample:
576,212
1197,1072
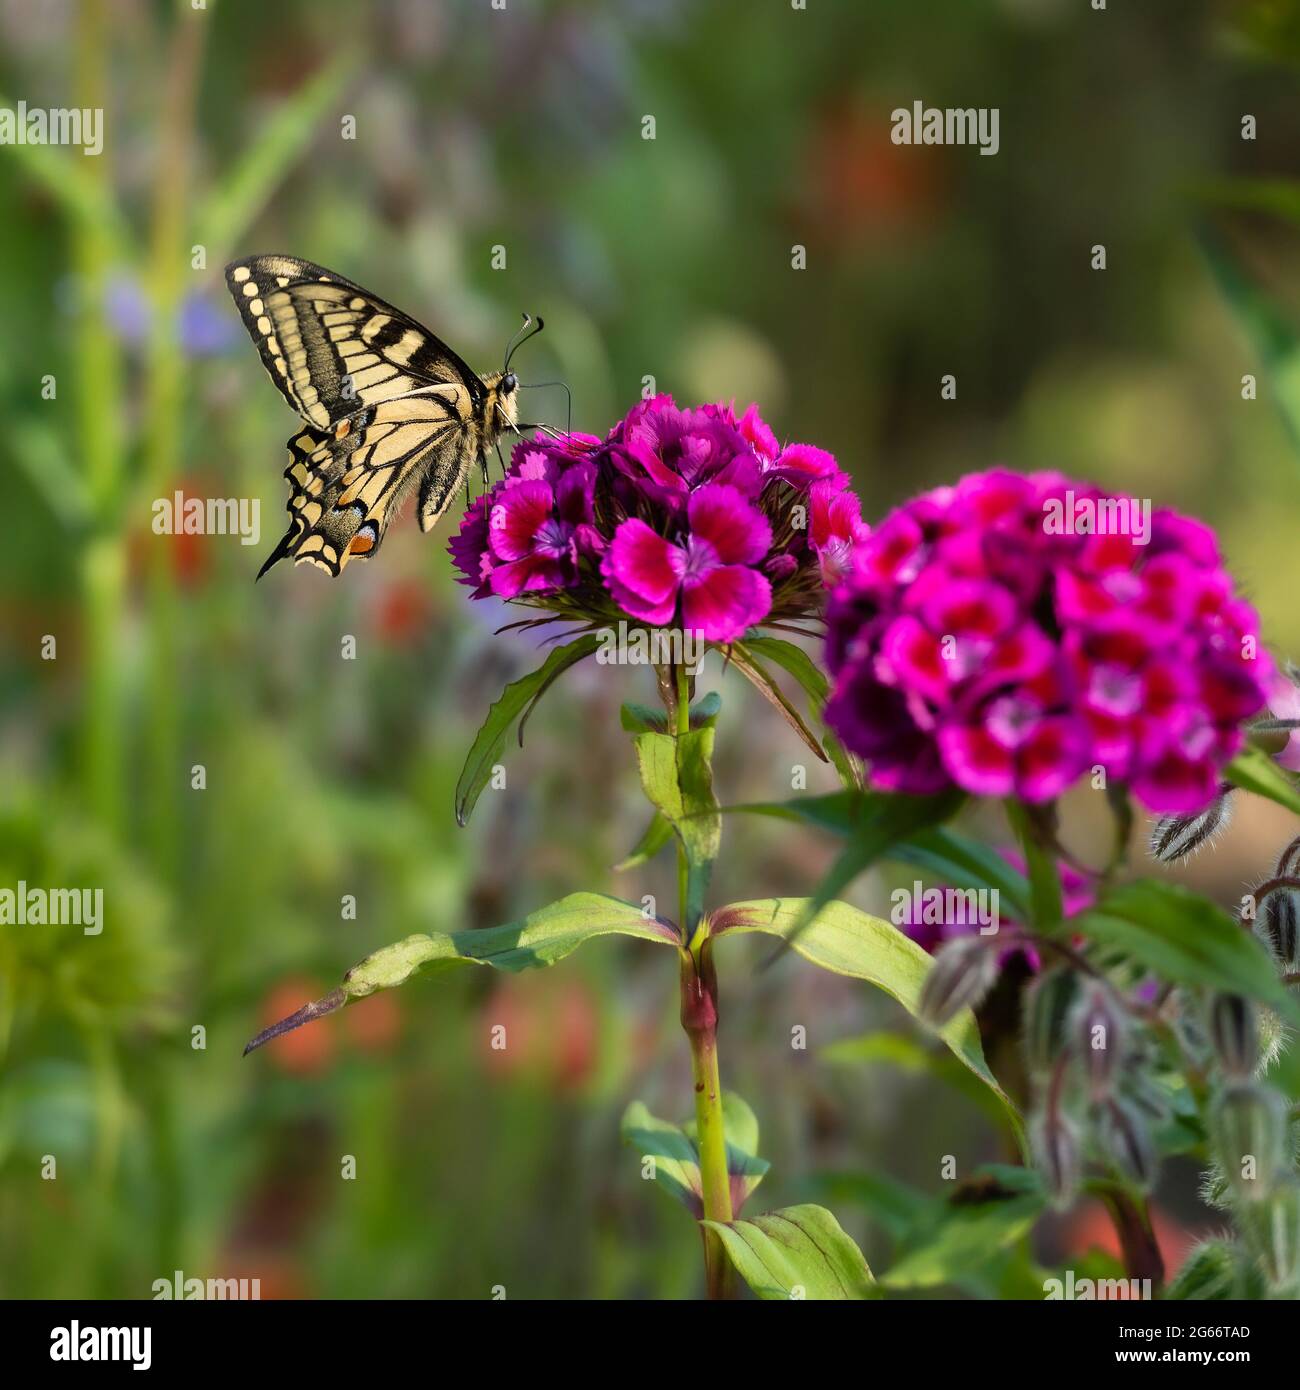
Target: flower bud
1235,1034
1125,1137
962,974
1178,837
1208,1272
1272,1230
1279,927
1100,1027
1055,1146
1249,1125
1048,1004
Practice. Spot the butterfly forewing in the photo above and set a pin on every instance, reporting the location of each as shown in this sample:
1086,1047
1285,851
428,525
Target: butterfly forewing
331,346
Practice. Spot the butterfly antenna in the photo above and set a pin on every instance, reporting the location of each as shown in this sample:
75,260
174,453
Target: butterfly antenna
522,334
537,385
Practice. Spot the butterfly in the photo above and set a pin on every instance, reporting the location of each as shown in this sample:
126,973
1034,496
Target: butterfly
388,407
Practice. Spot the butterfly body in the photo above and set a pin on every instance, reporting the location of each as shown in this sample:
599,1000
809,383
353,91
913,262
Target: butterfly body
388,408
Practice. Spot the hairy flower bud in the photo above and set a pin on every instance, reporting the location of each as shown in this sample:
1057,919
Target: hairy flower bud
1272,1230
1234,1031
1049,1003
1249,1124
1279,927
1209,1272
962,974
1100,1029
1055,1145
1126,1138
1178,837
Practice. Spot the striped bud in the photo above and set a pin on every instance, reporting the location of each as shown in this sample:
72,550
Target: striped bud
1234,1033
1249,1124
1272,1230
1055,1146
962,974
1177,837
1099,1026
1209,1272
1049,1002
1125,1137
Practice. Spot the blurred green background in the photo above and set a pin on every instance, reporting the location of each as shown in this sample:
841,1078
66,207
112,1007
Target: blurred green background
521,127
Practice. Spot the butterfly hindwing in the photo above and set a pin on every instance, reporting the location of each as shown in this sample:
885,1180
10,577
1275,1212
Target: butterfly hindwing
346,483
332,347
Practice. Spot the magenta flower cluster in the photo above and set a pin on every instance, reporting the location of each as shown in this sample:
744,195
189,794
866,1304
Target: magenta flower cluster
999,637
680,517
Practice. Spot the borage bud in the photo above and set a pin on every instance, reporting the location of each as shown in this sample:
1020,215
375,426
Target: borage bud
1055,1145
1177,837
1279,920
1125,1137
1235,1034
1209,1272
1249,1125
962,974
1048,1005
1272,1231
1100,1025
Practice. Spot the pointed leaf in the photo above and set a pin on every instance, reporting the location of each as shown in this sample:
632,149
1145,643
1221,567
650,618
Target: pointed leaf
1254,771
845,941
676,1155
540,939
1186,939
797,1253
490,741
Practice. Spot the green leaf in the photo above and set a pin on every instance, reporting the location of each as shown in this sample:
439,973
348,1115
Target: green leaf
646,719
845,941
677,774
283,137
912,1056
965,863
490,741
742,658
1044,880
1270,329
835,811
880,823
541,939
969,1235
898,1207
798,1252
797,663
655,836
676,1155
874,823
1186,939
1254,771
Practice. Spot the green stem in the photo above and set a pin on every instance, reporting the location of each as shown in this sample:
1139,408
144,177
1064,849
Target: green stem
699,988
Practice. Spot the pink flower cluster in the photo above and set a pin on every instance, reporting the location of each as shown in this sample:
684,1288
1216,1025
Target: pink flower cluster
694,517
991,637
